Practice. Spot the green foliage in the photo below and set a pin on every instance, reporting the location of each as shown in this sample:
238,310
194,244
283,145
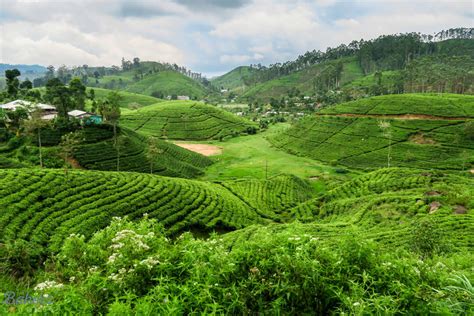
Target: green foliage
426,239
133,268
235,80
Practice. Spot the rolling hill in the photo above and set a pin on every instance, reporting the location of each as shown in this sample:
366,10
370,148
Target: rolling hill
127,97
383,206
96,151
186,120
168,83
44,206
301,80
409,130
234,80
171,160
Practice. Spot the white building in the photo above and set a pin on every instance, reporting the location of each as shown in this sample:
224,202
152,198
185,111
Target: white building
183,97
48,111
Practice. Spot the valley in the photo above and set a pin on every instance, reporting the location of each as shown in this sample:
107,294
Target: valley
340,182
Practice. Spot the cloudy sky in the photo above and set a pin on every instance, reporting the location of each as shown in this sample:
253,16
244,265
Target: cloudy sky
208,36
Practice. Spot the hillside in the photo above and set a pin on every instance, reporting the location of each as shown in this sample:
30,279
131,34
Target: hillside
410,130
96,151
82,202
168,83
303,81
186,120
44,206
171,160
382,204
235,80
411,215
126,97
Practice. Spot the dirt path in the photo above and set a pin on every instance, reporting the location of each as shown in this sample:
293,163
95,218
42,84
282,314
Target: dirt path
203,149
74,163
401,116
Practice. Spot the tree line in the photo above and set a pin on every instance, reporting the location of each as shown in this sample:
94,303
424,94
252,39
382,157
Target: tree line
387,52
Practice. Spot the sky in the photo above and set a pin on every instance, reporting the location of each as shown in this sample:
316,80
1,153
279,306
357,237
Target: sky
207,36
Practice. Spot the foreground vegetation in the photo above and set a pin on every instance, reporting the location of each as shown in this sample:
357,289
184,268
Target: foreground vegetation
133,268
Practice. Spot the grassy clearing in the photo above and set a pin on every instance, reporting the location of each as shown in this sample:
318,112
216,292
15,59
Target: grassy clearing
253,157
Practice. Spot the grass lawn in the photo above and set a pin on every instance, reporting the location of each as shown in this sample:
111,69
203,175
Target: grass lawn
247,157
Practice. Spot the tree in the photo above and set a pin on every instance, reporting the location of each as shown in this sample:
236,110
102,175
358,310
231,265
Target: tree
68,143
110,110
50,72
12,82
14,120
60,96
34,125
385,126
136,62
26,85
78,93
153,151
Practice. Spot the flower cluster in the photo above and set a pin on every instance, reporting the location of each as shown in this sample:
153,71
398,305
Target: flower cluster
46,285
149,262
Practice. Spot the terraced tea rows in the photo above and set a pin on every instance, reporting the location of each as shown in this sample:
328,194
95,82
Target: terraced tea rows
274,197
377,140
383,206
171,161
186,120
45,206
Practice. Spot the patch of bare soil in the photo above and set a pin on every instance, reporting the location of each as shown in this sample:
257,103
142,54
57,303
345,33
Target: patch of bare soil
203,149
434,206
74,163
421,139
460,209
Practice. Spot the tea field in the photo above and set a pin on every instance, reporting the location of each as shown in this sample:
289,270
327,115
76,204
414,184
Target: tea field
415,131
187,120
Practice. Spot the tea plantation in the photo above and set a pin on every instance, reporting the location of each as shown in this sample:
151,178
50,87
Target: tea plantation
171,160
405,233
415,131
45,206
187,120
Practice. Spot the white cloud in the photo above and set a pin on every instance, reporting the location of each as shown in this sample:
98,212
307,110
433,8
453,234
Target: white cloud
240,59
210,38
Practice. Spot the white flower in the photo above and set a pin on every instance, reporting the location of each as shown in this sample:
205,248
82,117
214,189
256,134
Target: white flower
48,285
71,279
149,262
356,304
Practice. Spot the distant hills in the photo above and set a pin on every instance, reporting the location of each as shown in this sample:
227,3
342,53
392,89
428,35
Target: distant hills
24,69
389,64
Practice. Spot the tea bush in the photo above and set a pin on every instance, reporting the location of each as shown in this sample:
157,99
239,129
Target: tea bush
132,268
